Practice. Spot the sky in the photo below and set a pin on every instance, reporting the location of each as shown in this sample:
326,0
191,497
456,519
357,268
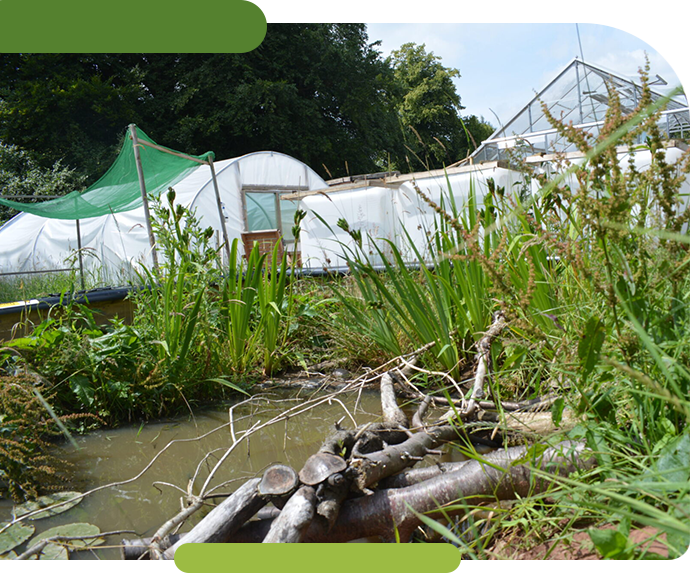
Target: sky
503,63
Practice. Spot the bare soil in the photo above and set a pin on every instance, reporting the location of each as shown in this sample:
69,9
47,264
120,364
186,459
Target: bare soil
575,546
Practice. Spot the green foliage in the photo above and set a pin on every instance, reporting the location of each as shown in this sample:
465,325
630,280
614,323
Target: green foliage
94,370
238,309
14,535
199,332
591,268
175,302
21,174
68,107
27,287
273,305
451,304
319,92
63,500
281,96
63,538
624,349
589,347
428,109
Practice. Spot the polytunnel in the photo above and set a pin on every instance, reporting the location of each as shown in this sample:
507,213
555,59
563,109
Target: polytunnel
107,223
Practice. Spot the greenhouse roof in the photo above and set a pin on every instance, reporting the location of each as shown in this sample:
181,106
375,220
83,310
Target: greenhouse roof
580,93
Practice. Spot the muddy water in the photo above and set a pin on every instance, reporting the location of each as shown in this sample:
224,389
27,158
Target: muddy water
144,505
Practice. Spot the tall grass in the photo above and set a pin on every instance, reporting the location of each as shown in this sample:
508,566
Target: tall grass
605,268
470,267
30,286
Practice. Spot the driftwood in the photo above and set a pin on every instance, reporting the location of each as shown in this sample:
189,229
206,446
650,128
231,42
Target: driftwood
362,483
501,477
475,482
225,518
138,549
293,521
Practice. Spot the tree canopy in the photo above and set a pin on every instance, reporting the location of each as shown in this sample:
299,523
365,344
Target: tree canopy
428,108
319,92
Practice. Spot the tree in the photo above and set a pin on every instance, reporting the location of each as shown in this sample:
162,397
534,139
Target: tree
20,174
428,108
68,107
317,92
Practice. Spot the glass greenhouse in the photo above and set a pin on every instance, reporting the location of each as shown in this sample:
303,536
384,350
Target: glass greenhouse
580,93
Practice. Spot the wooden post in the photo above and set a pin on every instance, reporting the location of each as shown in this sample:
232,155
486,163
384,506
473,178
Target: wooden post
142,186
220,212
81,261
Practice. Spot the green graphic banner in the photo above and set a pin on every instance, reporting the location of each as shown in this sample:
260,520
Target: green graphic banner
317,557
62,26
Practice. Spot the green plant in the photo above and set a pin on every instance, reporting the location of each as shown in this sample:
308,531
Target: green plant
239,291
177,291
26,466
273,306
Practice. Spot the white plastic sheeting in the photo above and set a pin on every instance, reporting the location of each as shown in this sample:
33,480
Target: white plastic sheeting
396,210
113,246
389,212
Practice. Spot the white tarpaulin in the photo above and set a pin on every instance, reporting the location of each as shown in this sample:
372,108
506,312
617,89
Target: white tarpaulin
394,210
388,212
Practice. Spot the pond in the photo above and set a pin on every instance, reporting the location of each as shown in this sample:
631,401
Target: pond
109,456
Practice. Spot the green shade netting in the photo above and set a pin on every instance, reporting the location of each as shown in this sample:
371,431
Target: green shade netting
118,190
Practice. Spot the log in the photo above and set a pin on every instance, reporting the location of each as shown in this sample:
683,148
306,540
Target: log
417,475
475,482
138,549
330,496
371,468
393,416
294,519
225,518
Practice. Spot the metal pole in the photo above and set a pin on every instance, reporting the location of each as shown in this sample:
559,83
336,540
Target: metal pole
579,93
220,212
144,198
81,261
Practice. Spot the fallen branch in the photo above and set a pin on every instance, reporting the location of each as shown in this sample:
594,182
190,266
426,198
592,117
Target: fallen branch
483,362
293,521
225,518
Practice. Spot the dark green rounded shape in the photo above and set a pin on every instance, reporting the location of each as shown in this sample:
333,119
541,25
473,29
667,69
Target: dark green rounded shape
161,26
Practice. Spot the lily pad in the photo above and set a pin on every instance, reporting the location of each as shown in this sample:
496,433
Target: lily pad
47,501
54,552
17,534
8,556
72,530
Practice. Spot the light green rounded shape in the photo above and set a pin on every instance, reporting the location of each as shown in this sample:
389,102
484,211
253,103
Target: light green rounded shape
318,557
73,530
48,501
15,535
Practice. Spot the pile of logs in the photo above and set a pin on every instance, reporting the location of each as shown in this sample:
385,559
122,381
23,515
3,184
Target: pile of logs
361,483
